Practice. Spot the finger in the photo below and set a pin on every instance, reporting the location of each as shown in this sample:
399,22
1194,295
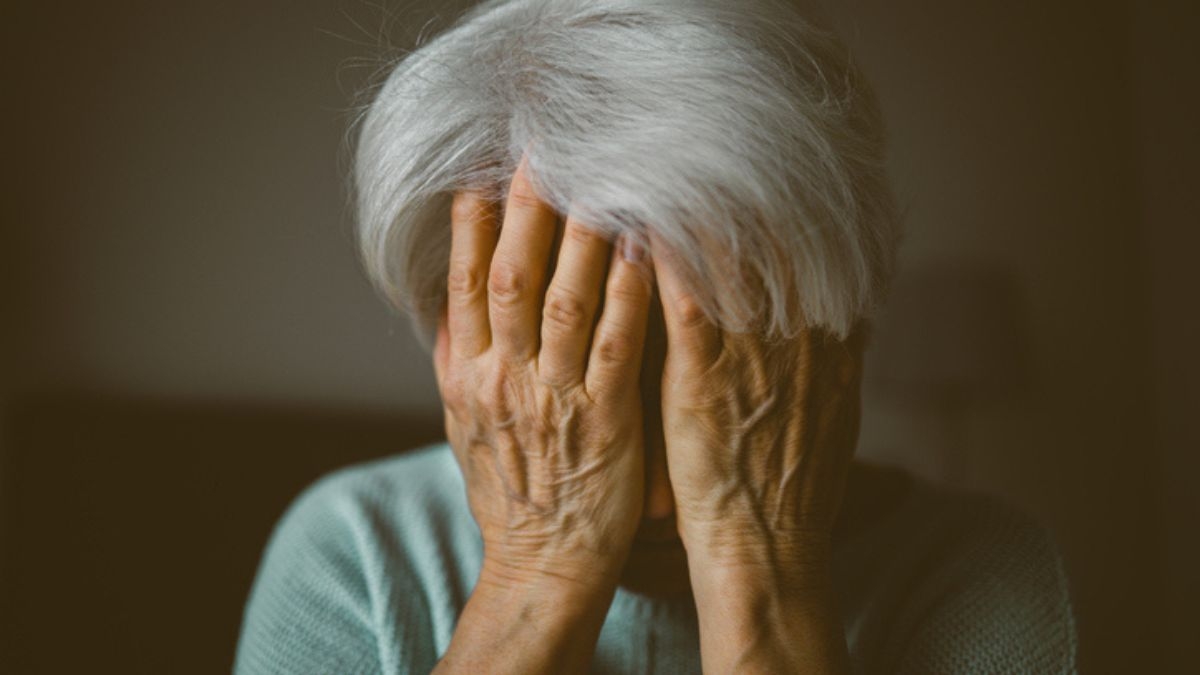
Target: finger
571,302
441,357
441,347
691,336
472,241
518,272
615,361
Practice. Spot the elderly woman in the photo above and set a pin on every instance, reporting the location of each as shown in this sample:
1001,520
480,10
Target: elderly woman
642,239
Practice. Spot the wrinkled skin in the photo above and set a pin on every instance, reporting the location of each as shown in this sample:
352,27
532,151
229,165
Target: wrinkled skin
545,413
546,427
760,434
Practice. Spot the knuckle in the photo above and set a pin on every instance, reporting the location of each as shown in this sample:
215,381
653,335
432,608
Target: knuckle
629,284
507,282
464,279
690,313
453,391
578,234
522,196
493,392
494,407
628,291
465,208
555,379
614,349
565,310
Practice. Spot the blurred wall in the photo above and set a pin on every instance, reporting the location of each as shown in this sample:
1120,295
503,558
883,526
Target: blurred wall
186,230
179,231
1013,148
1166,55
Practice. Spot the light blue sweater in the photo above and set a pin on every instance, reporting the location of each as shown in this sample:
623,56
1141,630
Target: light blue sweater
369,568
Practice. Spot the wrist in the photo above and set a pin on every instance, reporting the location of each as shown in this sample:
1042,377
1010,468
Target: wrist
742,586
764,615
527,623
751,630
572,585
739,554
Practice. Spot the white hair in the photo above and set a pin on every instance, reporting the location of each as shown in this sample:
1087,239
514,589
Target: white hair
738,131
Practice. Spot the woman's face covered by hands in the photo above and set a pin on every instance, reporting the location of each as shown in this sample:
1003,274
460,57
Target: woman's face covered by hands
605,426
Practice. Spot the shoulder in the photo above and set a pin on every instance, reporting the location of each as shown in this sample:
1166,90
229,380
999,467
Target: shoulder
377,512
423,481
350,543
982,586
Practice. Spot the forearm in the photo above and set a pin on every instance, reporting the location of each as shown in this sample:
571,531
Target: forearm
756,620
521,626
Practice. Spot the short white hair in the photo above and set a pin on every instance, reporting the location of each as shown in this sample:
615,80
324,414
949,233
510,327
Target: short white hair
739,131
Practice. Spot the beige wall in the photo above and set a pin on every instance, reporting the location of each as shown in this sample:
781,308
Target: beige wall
181,232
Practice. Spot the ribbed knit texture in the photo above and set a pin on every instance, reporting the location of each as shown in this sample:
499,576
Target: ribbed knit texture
370,567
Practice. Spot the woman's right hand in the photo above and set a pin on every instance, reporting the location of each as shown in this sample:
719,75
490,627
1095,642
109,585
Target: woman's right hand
542,410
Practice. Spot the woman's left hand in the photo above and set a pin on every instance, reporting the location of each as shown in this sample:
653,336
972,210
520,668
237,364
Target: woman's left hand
759,441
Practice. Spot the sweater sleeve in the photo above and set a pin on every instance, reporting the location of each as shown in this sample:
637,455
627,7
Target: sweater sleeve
312,608
1000,605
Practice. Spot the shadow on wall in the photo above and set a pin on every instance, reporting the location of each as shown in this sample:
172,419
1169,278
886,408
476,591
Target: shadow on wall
951,339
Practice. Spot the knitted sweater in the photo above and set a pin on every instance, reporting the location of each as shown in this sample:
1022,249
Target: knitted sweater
368,571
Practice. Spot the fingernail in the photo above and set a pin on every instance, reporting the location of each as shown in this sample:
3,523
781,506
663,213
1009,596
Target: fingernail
630,250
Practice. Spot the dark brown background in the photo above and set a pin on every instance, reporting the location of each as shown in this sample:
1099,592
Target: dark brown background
189,341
